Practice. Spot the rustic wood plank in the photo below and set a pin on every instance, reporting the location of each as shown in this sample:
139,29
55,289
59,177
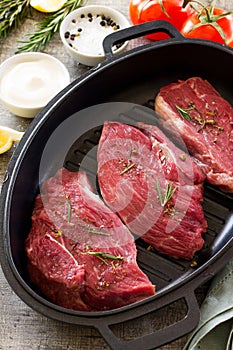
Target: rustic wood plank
21,328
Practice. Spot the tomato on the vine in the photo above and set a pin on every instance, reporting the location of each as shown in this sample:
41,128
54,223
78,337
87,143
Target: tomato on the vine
141,11
210,23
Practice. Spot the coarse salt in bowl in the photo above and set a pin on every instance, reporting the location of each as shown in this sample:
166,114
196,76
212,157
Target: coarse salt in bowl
84,29
28,81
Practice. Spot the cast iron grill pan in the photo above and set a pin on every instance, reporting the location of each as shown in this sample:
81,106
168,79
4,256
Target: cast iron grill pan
132,77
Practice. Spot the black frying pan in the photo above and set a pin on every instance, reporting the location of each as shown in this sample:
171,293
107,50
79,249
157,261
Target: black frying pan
130,81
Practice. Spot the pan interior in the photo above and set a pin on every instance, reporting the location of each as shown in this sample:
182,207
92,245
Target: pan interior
162,270
134,78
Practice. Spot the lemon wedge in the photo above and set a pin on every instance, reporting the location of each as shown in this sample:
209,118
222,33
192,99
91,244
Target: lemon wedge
47,5
7,137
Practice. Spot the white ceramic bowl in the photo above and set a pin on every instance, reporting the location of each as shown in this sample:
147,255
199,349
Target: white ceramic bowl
28,81
83,30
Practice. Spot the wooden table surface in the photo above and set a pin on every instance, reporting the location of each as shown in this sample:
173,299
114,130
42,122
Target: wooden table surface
21,328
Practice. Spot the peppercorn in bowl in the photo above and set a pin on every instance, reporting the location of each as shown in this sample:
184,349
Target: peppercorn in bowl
84,29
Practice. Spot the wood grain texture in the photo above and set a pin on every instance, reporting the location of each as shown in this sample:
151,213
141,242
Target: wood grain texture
21,328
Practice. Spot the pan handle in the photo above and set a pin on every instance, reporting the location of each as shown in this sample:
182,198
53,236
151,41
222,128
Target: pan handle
137,31
161,336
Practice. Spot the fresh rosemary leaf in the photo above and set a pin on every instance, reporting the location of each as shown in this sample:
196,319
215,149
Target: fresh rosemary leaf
169,192
11,14
98,232
127,168
106,255
47,28
184,112
159,192
102,256
68,210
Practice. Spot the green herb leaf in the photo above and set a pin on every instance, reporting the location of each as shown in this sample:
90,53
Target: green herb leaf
169,192
127,168
11,14
47,28
184,112
102,256
159,192
68,210
98,232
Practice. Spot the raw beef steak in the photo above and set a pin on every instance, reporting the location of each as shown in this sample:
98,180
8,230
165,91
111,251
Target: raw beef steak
194,111
80,254
154,187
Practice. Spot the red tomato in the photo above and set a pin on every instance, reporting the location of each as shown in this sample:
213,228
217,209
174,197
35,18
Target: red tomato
207,30
141,11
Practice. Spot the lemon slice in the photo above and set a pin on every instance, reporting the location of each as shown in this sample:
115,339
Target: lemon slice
47,5
7,137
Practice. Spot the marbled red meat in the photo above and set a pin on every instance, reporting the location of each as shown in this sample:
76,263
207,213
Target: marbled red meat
80,254
134,166
206,128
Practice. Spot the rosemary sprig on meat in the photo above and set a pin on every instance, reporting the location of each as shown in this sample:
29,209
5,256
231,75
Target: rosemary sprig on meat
68,208
184,112
48,27
169,192
102,256
127,168
98,232
203,119
11,14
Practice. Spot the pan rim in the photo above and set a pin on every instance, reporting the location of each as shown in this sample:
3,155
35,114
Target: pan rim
6,258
